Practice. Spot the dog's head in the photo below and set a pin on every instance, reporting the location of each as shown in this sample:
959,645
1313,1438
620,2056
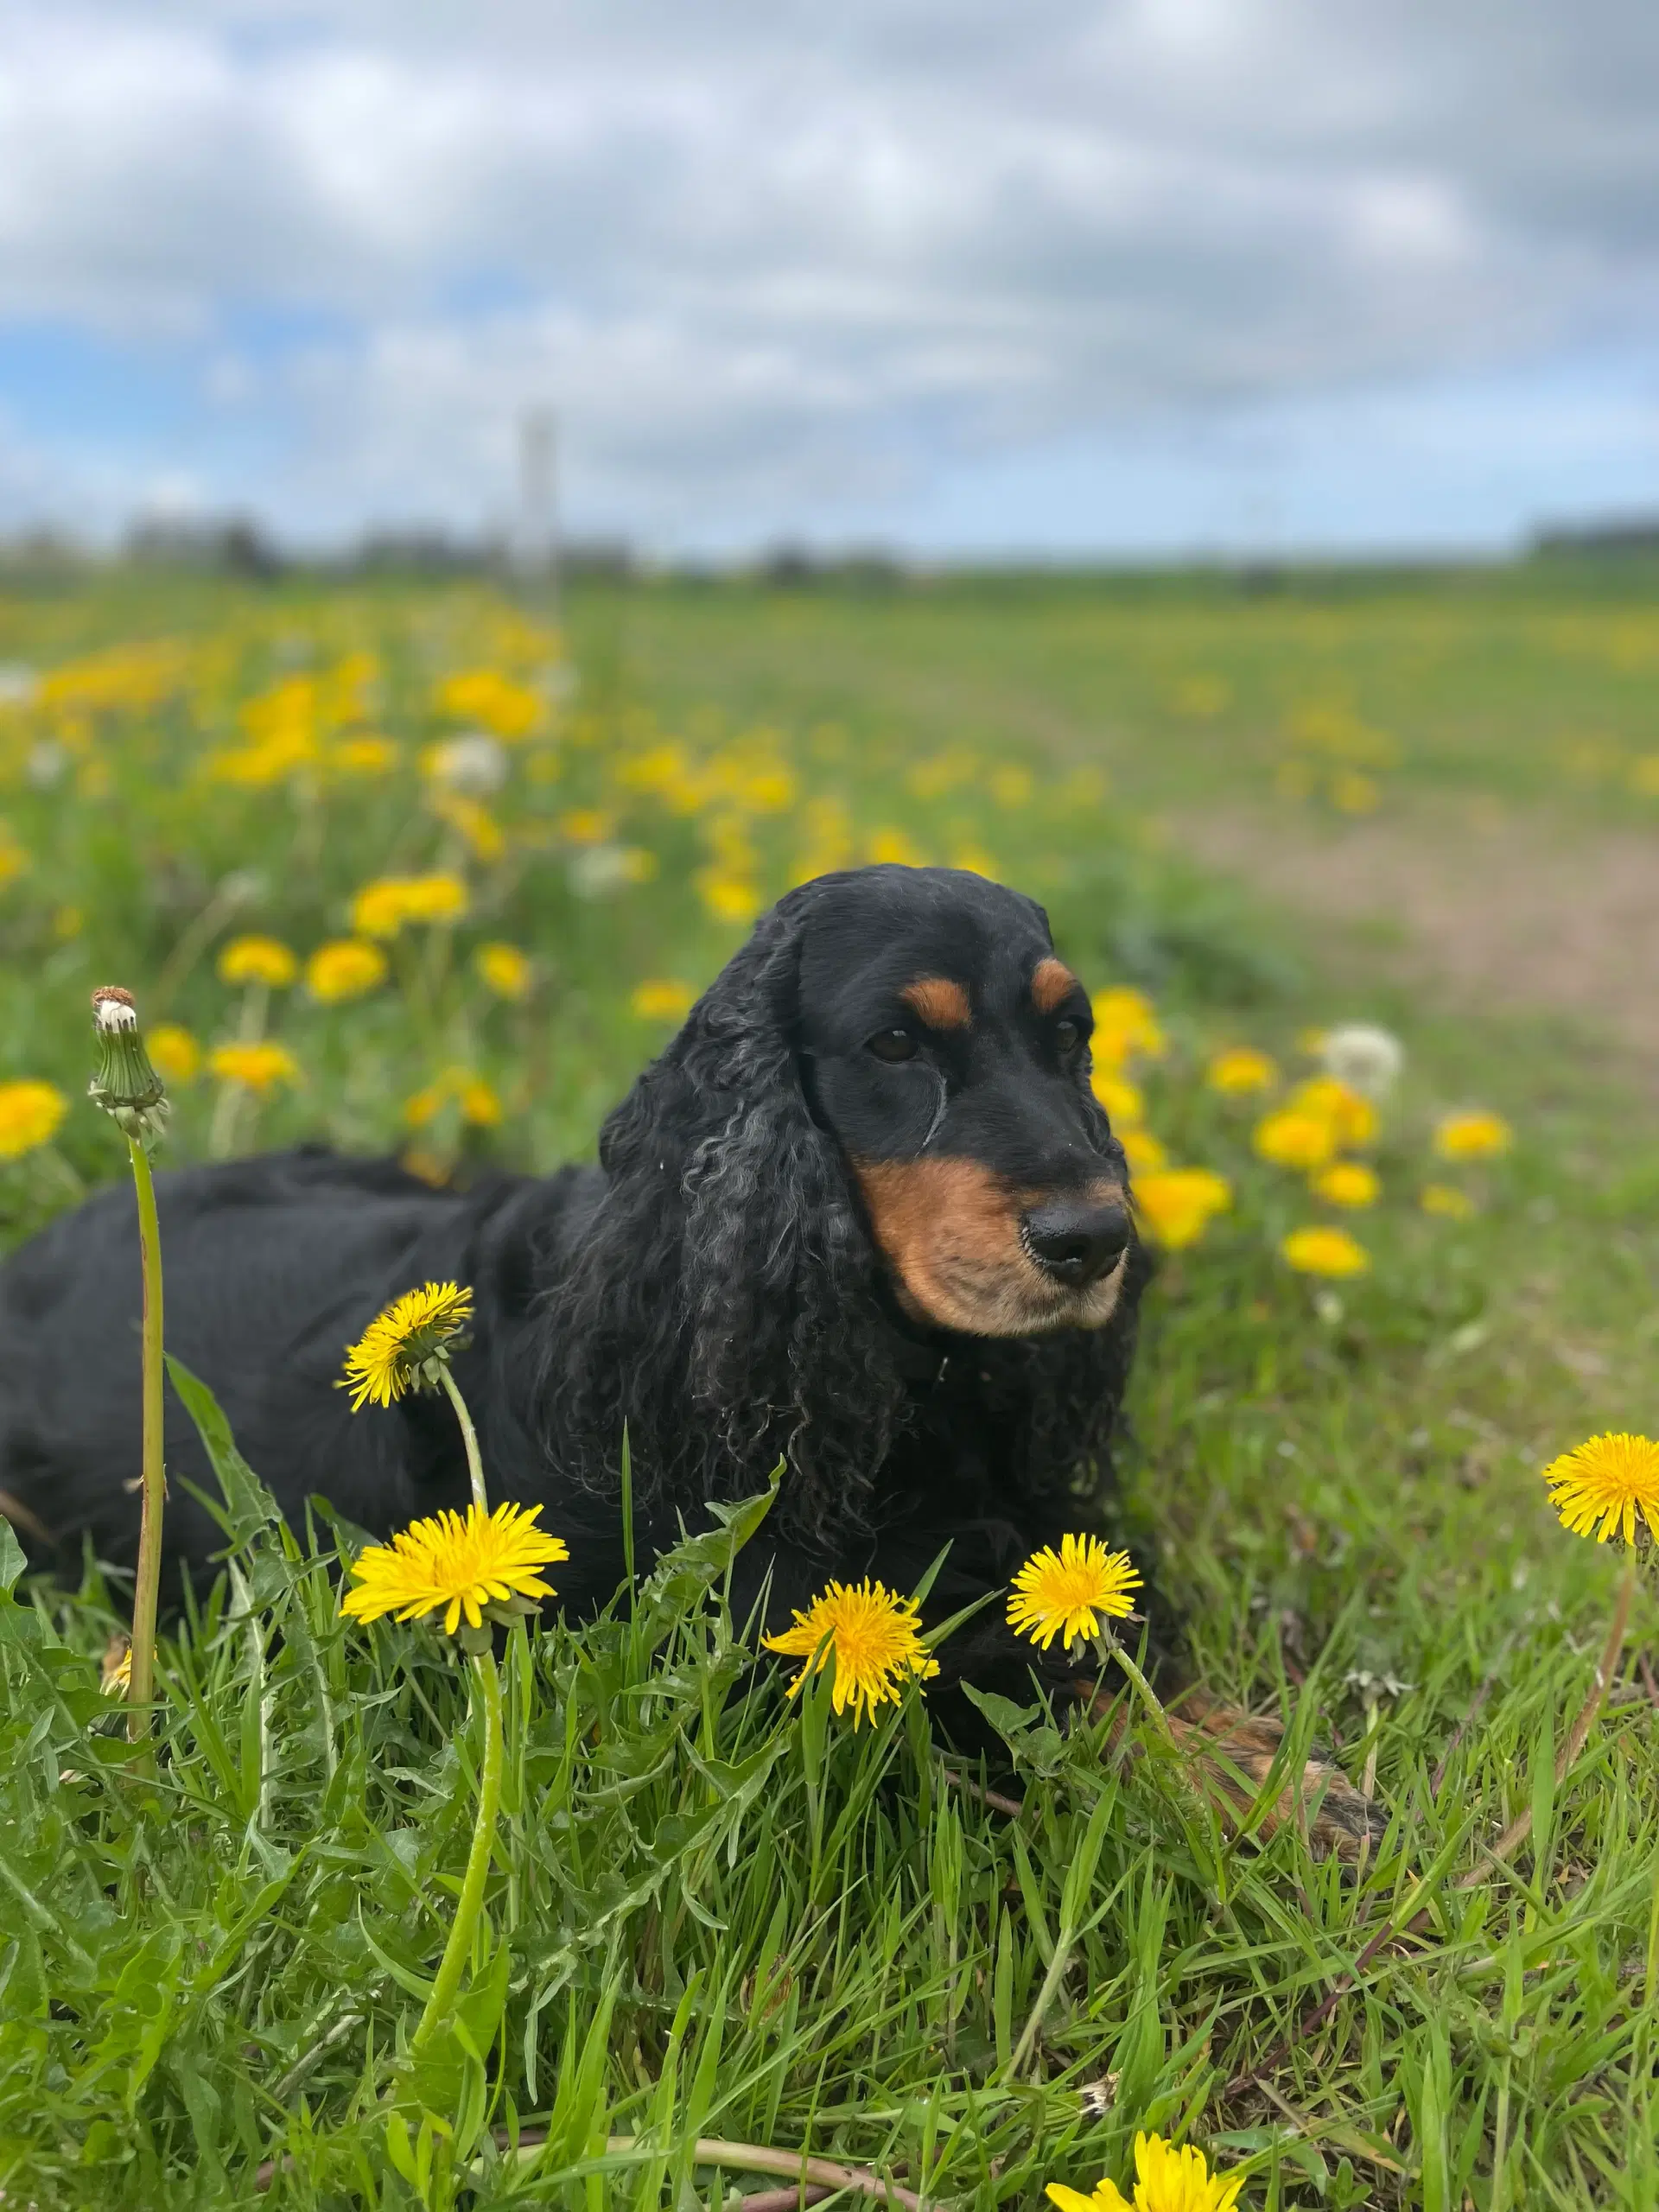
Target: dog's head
879,1113
944,1047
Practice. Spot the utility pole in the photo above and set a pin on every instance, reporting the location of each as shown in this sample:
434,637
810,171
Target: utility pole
538,525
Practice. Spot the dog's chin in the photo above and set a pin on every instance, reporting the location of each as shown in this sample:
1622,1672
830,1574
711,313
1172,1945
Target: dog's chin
1017,1300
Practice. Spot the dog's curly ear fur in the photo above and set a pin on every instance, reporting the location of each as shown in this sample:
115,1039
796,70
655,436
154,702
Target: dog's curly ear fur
724,1305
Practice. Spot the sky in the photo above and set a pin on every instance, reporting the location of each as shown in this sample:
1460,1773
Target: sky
963,279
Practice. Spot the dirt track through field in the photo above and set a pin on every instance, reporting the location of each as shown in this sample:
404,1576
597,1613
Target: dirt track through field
1504,912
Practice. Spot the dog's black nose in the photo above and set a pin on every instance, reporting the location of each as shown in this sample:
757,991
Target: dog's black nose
1076,1239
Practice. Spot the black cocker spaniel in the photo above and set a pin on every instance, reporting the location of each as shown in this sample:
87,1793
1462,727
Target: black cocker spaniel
864,1214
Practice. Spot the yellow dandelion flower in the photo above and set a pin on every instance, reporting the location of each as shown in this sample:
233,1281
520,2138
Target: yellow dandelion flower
509,709
258,960
382,908
636,864
377,910
1167,2179
895,848
173,1053
1011,786
30,1114
1124,1101
505,970
1351,1116
1600,1487
871,1637
1241,1069
974,859
768,791
423,1106
115,1668
1145,1152
403,1346
663,998
482,833
1072,1592
728,897
1319,1250
364,757
480,1103
1444,1199
437,898
1347,1183
1290,1138
1353,792
1472,1136
258,1068
586,825
348,968
1126,1024
662,770
461,1568
1175,1205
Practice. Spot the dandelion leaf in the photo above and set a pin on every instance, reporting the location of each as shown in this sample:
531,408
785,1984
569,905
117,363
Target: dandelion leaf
690,1568
12,1561
249,1510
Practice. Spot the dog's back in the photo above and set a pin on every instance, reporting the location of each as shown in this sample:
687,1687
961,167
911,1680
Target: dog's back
271,1268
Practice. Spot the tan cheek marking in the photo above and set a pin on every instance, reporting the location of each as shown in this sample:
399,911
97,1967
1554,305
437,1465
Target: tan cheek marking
910,1202
941,1003
1052,981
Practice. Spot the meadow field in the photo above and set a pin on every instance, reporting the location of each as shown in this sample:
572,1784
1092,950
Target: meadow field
416,868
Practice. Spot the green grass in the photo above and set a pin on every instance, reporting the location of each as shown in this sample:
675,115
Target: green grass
1525,688
714,1916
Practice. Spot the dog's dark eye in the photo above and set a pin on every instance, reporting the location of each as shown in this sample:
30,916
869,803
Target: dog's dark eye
1068,1035
894,1044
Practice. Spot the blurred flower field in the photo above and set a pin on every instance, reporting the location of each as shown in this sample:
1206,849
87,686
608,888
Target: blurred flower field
407,870
388,880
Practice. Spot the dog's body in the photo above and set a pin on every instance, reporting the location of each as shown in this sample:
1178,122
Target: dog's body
863,1215
274,1265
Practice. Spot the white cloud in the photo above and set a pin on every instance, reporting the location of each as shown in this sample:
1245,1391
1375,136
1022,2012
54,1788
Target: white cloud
763,258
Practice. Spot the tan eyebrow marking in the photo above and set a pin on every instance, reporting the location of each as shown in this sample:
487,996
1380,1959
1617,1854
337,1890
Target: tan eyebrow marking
1051,981
941,1003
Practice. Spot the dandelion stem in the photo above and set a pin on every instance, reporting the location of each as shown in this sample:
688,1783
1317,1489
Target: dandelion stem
486,1681
1111,1648
468,1437
147,1587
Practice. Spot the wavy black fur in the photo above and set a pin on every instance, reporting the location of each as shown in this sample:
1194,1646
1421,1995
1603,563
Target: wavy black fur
713,1284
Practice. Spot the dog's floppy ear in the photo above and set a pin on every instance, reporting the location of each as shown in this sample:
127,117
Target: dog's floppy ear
724,1305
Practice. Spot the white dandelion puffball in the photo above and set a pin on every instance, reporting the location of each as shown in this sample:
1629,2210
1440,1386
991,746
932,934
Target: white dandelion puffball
1367,1059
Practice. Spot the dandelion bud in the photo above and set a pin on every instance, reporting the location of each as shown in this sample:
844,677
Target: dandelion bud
125,1084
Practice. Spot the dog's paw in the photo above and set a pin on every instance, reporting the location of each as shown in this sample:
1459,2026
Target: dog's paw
1230,1755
